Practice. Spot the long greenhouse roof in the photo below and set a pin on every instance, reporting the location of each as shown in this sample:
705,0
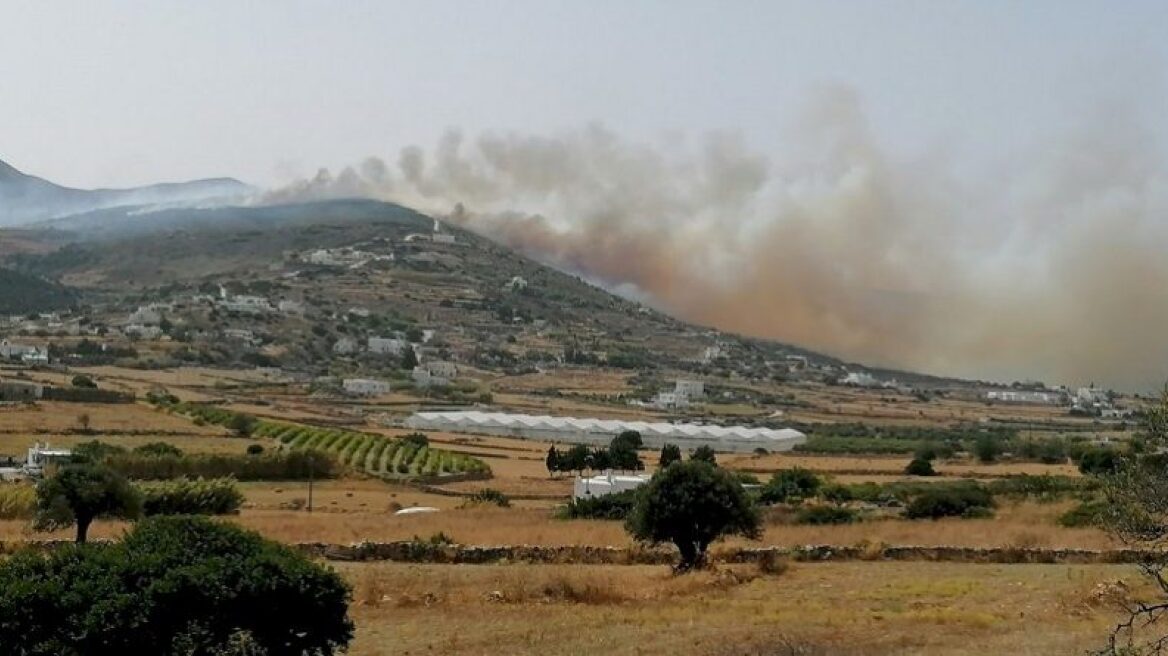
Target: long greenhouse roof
475,419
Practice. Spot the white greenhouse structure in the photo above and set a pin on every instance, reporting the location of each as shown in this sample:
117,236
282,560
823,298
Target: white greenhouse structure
601,431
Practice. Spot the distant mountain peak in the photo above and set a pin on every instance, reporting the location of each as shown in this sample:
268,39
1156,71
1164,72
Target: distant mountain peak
9,171
28,199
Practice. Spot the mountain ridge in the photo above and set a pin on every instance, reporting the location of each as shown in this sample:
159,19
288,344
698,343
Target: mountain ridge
26,198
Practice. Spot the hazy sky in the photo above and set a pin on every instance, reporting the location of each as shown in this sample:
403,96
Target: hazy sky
119,92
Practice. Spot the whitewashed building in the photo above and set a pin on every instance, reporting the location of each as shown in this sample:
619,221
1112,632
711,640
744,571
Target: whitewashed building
606,483
365,387
345,346
387,345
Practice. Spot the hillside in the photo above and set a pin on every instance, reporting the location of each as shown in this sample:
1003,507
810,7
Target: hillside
26,198
490,306
21,293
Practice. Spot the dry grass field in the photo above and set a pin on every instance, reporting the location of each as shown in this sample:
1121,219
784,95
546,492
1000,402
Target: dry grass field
353,511
827,608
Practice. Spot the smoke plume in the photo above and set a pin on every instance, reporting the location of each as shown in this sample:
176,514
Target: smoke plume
1054,269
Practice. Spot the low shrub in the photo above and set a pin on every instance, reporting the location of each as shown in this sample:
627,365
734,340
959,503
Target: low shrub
969,500
608,506
1087,513
17,501
790,484
920,467
826,515
159,449
489,496
184,496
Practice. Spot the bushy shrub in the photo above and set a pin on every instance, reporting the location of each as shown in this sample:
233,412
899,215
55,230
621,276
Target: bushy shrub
1099,461
418,440
220,496
489,496
790,484
1087,513
254,449
968,500
826,515
173,585
606,506
920,467
159,449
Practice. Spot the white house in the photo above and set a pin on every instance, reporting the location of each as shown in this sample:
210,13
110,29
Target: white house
145,316
290,307
1091,395
365,387
241,334
36,356
387,345
607,483
669,400
40,455
860,379
434,374
443,369
1024,396
246,304
11,350
142,331
345,346
690,388
516,284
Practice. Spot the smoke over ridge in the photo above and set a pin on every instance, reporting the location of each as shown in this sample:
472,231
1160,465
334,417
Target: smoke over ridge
1055,269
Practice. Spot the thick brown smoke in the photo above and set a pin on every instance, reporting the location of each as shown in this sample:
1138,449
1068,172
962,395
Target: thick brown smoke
1056,271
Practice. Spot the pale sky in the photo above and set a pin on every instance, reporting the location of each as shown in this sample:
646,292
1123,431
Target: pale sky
122,92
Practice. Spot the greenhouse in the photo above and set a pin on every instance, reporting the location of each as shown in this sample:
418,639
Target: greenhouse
601,431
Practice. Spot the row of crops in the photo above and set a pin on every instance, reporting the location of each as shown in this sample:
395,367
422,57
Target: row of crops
376,454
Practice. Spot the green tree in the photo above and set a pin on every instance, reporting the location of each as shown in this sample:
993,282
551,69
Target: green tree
790,484
409,359
704,454
670,453
81,380
692,504
552,460
78,494
622,452
242,424
95,451
576,458
173,585
987,449
1135,495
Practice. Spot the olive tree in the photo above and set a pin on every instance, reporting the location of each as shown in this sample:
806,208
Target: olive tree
79,494
1135,489
173,585
692,504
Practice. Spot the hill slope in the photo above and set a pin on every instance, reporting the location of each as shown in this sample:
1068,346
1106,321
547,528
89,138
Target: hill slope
491,306
26,198
21,293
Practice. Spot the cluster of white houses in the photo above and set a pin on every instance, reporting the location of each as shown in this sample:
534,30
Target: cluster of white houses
601,431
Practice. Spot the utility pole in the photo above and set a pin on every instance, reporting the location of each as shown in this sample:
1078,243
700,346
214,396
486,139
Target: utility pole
311,469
